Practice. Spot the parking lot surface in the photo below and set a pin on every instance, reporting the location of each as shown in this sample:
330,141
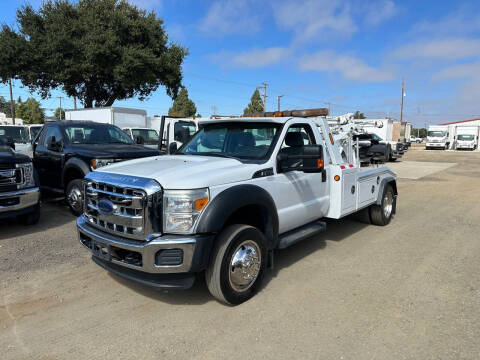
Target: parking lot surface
410,290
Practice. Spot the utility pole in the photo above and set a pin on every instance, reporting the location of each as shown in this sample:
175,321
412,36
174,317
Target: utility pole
214,110
403,95
328,107
264,96
60,98
12,104
75,102
278,101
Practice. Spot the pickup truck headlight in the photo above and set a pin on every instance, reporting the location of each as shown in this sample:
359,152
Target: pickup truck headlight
98,163
182,208
28,178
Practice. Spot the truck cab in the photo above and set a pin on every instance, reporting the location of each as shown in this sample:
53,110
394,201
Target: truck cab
20,136
466,138
220,205
65,151
437,137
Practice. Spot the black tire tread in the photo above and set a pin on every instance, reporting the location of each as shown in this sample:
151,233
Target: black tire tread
376,211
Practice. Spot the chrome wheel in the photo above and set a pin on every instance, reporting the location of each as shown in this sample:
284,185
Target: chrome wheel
388,204
245,265
75,199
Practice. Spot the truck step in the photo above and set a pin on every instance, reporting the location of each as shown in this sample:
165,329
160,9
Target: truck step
304,232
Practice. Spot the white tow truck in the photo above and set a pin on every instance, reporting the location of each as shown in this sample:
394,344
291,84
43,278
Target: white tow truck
236,191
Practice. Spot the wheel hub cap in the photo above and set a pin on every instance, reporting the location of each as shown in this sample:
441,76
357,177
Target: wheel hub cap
388,204
245,265
75,198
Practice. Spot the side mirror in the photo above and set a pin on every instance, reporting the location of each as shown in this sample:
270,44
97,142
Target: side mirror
172,148
139,140
310,161
11,142
52,144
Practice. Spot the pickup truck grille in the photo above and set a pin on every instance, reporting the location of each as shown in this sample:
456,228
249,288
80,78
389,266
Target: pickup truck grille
10,177
128,206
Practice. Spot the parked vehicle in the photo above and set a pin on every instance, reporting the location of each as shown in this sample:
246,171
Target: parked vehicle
467,137
437,137
144,136
237,190
33,130
65,151
19,135
119,116
385,132
19,192
414,139
375,150
174,131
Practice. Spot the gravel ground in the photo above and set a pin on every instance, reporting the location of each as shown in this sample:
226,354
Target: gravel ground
407,291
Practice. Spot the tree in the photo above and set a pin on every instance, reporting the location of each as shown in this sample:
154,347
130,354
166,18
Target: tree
5,107
182,105
359,115
256,104
30,111
58,115
97,50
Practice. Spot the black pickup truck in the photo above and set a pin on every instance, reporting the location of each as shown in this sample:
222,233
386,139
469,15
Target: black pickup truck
19,192
65,151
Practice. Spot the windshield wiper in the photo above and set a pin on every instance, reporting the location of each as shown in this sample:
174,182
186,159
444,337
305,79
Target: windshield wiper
217,154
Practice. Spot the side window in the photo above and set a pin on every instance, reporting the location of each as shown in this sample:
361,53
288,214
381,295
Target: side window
298,135
52,131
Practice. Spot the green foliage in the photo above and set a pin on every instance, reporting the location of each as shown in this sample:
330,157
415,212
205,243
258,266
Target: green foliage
421,133
30,111
97,50
182,106
359,115
57,114
256,104
5,107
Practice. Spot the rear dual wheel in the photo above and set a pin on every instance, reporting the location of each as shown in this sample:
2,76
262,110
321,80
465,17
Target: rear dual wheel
382,214
237,265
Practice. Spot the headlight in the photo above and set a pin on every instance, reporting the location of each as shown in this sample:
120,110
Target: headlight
27,173
182,208
98,163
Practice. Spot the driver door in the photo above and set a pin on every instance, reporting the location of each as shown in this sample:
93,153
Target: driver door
300,197
48,162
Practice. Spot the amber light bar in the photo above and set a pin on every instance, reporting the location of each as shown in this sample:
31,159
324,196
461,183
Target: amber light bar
294,113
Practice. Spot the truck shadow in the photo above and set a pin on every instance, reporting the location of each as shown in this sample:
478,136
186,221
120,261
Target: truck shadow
54,213
337,230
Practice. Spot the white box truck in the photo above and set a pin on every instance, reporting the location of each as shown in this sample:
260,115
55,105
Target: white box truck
467,137
119,116
437,137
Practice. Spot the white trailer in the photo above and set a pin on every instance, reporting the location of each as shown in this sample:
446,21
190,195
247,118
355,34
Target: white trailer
438,137
119,116
466,137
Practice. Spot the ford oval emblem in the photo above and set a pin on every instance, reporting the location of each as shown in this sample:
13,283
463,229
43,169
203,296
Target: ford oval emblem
105,207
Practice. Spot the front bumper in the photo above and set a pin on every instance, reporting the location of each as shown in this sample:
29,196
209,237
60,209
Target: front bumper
15,201
466,146
190,253
439,145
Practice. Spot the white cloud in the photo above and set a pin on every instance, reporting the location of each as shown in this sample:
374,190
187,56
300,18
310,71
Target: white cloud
380,12
349,67
446,49
314,19
459,23
230,17
462,71
260,57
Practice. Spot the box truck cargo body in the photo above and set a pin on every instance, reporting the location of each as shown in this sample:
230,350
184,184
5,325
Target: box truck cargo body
121,117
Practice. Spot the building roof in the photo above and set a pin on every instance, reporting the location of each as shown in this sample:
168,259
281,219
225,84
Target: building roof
459,122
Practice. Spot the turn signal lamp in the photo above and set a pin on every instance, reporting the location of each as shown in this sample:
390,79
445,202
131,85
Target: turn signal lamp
199,204
336,178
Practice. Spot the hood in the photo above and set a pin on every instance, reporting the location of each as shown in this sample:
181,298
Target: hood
114,151
186,172
9,156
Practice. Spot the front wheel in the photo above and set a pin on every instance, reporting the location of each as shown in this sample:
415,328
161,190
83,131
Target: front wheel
74,196
237,265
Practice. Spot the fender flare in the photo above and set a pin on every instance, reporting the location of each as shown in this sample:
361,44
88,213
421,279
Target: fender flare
381,188
232,199
76,164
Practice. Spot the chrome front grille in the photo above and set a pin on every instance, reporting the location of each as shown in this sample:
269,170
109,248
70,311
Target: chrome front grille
10,178
127,217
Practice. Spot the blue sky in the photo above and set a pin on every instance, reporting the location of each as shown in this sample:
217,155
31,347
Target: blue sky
351,54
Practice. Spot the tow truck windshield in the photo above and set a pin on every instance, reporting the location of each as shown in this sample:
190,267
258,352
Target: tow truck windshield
240,140
436,134
19,134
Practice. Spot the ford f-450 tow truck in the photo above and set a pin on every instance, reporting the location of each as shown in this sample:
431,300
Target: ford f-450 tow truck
236,191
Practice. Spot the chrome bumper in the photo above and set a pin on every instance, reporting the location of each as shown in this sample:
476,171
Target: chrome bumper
26,198
104,246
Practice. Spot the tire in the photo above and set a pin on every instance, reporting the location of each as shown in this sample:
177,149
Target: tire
382,214
223,280
30,218
74,196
